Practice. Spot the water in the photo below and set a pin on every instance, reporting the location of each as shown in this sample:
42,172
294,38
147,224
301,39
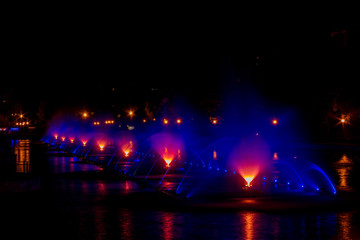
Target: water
80,201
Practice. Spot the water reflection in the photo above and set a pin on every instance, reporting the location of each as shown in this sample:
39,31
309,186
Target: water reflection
22,151
255,225
70,164
344,168
96,215
126,223
344,225
249,221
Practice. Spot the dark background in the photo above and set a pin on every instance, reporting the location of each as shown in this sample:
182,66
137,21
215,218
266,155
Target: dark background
102,63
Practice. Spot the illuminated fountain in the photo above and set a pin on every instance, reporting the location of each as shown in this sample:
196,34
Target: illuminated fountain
188,166
249,168
250,158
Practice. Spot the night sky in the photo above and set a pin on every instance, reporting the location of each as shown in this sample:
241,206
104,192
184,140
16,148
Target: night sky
77,62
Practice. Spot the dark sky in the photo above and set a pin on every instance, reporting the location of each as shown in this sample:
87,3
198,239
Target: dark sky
65,59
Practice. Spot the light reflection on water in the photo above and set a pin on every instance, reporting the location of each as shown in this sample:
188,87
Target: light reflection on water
103,221
344,168
22,151
344,223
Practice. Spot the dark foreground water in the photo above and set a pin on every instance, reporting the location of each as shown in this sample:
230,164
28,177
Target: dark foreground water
80,201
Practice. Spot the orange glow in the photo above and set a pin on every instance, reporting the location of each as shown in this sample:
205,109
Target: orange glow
275,122
249,221
168,161
166,121
71,140
214,121
101,146
84,142
96,123
275,156
144,120
168,157
63,139
178,121
214,155
85,115
56,136
127,148
248,179
342,120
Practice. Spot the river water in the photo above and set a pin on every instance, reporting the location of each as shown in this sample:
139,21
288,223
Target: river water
80,201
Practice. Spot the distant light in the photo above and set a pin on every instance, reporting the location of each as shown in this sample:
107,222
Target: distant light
165,121
85,115
214,120
71,140
342,120
63,139
276,180
317,189
275,122
178,121
144,120
101,146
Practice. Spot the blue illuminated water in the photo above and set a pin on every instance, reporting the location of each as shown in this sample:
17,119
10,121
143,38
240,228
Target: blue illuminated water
81,201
